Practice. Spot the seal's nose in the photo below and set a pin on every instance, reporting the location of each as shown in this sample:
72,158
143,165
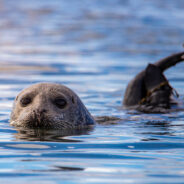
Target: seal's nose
41,104
40,111
39,117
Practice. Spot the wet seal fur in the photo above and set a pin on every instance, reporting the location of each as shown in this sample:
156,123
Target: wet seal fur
49,106
150,90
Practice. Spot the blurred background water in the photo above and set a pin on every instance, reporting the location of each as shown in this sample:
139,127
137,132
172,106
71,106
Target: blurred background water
95,48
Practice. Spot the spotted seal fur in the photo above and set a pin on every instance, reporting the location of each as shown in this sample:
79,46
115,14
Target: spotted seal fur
49,106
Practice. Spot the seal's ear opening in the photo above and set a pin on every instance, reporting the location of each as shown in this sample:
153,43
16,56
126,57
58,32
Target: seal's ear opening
153,77
73,101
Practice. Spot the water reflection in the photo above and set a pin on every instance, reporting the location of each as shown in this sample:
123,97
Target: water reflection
27,134
60,169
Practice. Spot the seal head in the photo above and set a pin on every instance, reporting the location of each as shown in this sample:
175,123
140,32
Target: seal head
49,106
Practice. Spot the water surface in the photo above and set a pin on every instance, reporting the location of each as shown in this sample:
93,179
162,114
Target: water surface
95,48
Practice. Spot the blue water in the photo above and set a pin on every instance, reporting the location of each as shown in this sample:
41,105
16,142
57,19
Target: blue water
95,48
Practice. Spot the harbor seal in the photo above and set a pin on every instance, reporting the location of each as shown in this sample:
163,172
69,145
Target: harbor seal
150,90
49,106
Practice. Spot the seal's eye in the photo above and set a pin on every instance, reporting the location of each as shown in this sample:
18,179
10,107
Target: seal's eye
25,101
60,103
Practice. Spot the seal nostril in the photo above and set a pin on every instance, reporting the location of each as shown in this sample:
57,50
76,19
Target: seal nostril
39,111
43,111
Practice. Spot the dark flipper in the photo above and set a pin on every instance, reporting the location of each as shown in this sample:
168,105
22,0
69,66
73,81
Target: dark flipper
157,87
170,61
153,77
135,90
150,86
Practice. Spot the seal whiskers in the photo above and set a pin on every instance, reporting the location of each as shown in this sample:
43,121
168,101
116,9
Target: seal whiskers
50,106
